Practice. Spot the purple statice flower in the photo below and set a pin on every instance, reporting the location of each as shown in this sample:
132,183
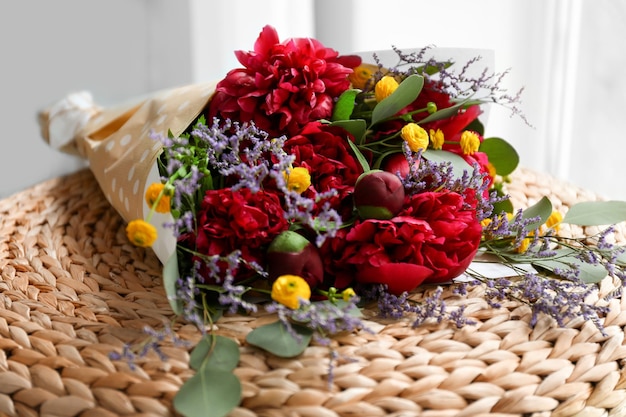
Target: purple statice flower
458,83
131,354
431,308
560,299
425,175
324,318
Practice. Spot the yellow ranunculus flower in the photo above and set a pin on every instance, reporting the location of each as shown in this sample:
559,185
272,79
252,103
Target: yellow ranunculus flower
298,179
470,142
385,87
347,294
141,233
416,136
152,194
436,138
554,221
361,75
289,290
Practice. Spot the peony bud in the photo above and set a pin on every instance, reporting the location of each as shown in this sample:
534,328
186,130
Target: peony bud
290,253
378,195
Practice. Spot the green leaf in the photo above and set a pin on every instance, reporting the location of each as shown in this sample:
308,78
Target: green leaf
359,156
209,393
405,94
276,339
356,127
476,126
596,213
621,258
345,105
541,209
459,165
502,155
566,260
327,314
214,351
505,206
170,277
443,113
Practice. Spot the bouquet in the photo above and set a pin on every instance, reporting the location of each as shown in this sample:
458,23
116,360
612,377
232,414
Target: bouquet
311,184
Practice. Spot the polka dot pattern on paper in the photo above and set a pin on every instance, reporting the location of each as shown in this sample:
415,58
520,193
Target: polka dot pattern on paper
121,162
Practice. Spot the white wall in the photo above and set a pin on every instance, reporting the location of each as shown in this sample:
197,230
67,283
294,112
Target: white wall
566,53
219,28
117,49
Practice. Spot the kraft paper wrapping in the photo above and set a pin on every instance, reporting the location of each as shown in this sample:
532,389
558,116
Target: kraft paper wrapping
117,145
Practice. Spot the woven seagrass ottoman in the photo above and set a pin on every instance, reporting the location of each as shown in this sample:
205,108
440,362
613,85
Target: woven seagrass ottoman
73,290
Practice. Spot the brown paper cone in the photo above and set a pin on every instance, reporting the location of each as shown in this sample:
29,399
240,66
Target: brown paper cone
116,141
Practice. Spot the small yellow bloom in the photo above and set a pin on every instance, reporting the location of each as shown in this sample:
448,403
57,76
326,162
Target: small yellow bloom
415,135
523,247
347,294
361,75
436,138
152,195
492,170
554,221
289,290
298,179
470,142
141,233
385,87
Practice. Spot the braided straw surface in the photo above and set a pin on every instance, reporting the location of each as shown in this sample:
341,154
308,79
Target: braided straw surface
73,290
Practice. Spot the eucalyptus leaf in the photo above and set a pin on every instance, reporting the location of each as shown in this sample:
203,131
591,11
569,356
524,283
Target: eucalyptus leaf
459,165
541,209
589,273
405,94
621,258
356,127
345,105
214,351
170,277
359,156
596,213
502,155
505,206
327,313
276,339
210,392
476,126
443,113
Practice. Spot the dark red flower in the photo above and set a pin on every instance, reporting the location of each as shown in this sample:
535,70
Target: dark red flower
283,85
229,220
325,152
432,240
456,233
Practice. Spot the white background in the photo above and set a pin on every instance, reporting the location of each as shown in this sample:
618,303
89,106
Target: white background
568,54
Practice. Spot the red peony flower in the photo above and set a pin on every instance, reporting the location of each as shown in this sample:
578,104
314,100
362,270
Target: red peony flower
229,220
456,233
432,240
283,85
325,152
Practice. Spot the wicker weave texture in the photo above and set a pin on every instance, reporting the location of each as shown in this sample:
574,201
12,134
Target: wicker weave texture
73,290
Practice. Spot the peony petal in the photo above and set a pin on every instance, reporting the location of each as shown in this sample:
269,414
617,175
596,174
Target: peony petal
399,277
